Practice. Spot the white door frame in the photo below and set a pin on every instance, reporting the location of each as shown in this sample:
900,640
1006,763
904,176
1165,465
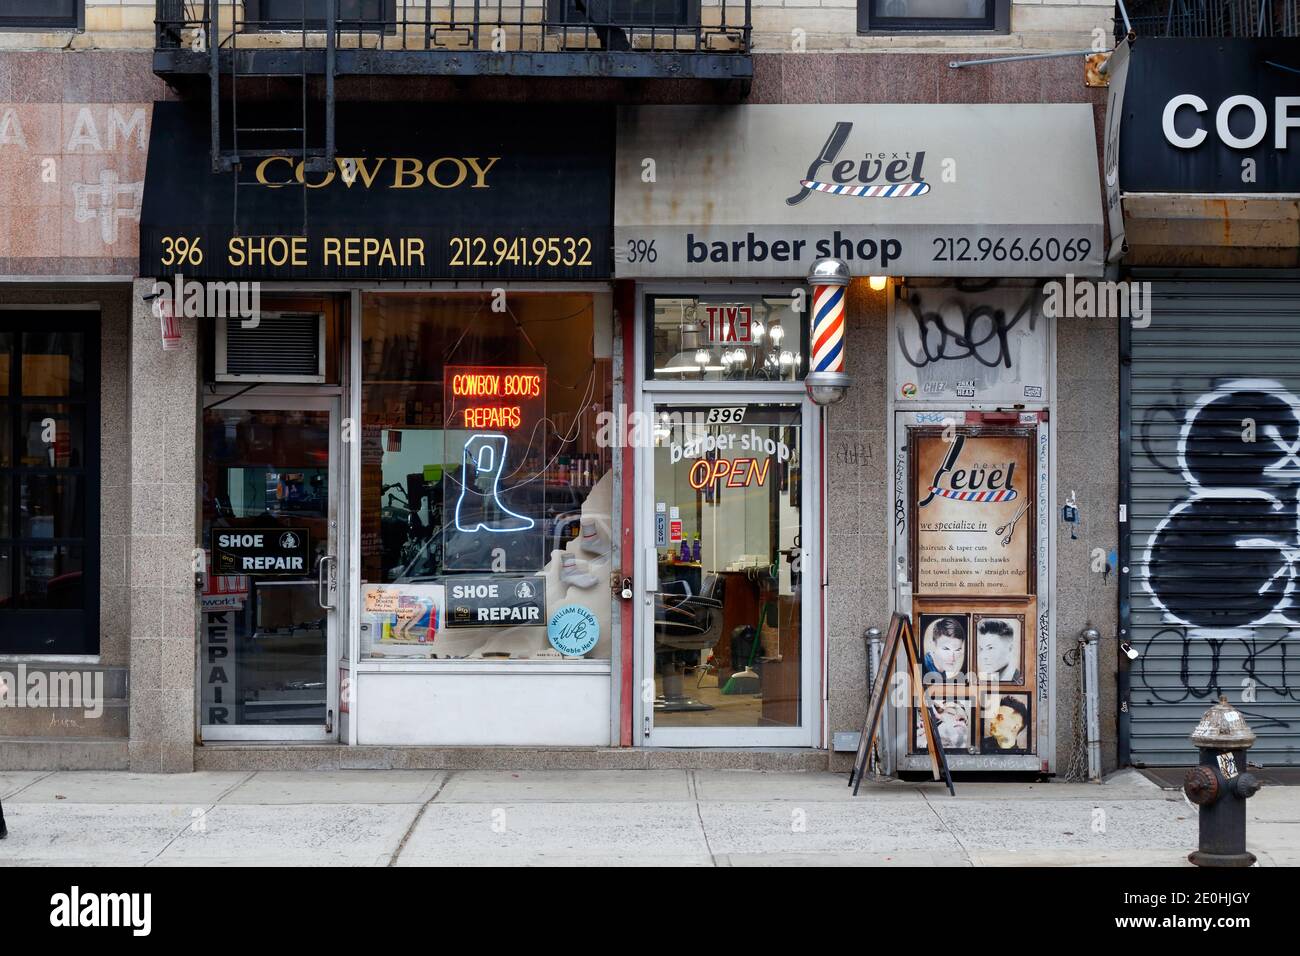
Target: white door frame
272,398
650,393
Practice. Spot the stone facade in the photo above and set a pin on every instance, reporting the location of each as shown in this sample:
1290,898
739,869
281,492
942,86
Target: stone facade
150,407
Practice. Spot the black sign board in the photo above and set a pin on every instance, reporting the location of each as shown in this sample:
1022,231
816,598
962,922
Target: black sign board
1211,116
496,600
416,191
278,552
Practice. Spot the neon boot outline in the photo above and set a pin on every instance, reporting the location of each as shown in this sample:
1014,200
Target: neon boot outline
489,458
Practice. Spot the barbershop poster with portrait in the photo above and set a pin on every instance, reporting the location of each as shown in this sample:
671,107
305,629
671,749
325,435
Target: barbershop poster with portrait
973,531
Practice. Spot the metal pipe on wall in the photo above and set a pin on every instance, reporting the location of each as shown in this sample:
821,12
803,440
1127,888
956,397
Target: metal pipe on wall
1091,638
875,648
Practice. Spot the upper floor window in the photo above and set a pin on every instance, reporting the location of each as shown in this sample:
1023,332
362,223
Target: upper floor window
42,14
353,15
934,16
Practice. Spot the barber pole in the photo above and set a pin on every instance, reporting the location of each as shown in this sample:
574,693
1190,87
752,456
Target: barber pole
828,328
826,380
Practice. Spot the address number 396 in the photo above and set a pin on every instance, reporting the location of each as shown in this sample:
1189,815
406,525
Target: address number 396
181,250
641,250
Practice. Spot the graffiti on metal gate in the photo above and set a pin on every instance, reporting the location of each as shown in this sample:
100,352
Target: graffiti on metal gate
1221,565
1225,555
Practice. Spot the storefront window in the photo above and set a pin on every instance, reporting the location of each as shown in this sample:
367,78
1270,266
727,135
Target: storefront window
727,488
486,494
726,338
48,483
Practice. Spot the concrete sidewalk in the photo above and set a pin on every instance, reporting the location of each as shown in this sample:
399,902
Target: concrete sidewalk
628,817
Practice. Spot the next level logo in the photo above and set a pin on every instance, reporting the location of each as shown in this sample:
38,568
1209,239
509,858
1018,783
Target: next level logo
980,483
870,177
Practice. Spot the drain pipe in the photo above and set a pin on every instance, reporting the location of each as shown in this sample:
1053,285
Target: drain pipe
1091,639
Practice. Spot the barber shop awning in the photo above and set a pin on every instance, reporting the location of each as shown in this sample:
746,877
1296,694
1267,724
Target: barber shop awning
918,190
415,191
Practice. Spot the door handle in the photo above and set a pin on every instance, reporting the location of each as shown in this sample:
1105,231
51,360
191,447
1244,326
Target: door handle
322,581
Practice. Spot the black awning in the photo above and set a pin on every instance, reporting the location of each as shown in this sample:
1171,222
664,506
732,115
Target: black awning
416,191
1229,128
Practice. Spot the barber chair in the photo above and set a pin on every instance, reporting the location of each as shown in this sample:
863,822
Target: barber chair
686,626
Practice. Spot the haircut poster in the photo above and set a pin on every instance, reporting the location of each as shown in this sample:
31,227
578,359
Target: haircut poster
973,540
973,527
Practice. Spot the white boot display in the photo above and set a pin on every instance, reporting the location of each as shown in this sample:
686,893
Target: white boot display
569,580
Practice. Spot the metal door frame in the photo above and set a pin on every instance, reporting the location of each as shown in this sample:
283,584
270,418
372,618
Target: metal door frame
652,392
270,398
1044,760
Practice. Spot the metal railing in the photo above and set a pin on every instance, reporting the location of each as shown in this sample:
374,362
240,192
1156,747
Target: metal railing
482,26
1214,18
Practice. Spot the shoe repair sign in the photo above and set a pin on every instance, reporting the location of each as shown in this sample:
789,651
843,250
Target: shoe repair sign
496,601
263,551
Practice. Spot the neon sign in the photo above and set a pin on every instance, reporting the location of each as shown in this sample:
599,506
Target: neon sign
491,416
738,472
502,384
494,458
483,458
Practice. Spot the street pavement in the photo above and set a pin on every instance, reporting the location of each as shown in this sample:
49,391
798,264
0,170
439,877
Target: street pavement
605,817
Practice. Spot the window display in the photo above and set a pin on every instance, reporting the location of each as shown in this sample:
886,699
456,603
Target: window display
486,499
972,527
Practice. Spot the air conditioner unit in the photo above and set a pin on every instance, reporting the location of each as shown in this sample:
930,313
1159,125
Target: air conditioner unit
281,347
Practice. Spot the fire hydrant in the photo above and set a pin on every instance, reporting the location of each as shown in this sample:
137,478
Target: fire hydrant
1220,786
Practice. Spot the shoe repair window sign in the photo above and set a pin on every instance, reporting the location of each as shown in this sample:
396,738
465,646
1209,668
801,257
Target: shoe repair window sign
494,480
973,521
264,551
496,601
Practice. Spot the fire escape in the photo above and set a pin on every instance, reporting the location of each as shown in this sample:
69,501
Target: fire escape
1214,18
305,49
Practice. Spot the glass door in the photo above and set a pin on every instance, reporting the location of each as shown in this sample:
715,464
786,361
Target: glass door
270,537
727,632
